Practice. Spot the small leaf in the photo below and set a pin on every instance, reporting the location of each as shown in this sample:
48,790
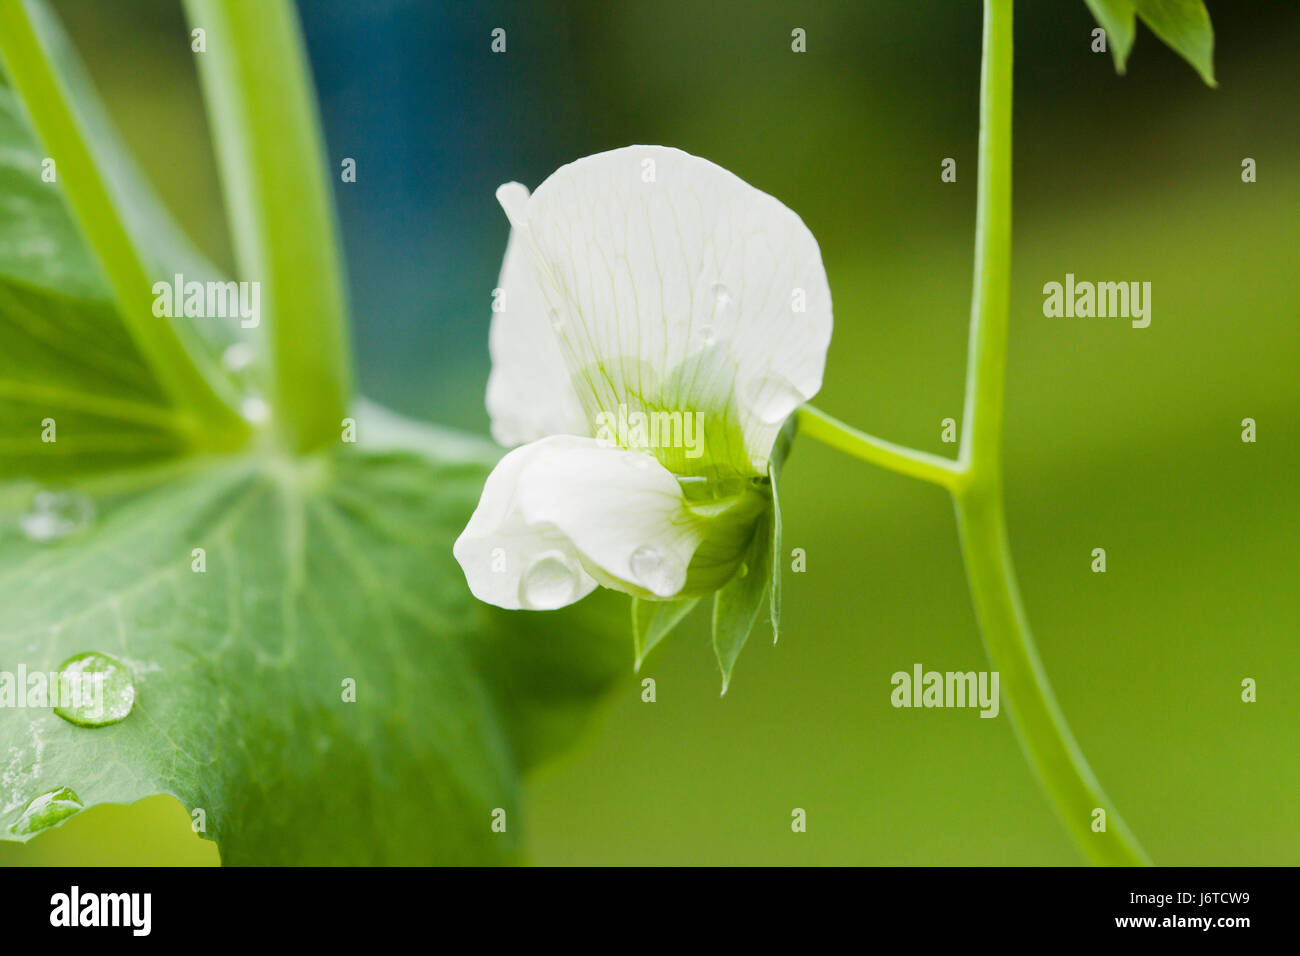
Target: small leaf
1116,17
737,606
1184,25
652,621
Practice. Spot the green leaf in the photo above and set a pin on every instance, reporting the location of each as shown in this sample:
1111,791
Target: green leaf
652,621
314,571
319,571
1118,19
736,607
1183,25
115,222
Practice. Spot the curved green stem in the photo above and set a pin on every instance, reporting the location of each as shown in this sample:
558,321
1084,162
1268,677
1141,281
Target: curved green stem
908,461
975,481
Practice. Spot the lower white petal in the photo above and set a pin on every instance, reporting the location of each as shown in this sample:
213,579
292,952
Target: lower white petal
559,515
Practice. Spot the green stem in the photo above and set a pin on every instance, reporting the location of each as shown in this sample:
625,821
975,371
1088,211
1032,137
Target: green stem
183,373
908,461
270,152
976,483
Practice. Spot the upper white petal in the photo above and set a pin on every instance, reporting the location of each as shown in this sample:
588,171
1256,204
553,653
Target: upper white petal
529,395
605,514
666,282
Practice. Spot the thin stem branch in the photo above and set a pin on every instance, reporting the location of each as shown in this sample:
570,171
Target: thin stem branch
202,414
271,156
907,461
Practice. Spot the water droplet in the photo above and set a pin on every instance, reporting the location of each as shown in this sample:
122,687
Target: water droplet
657,572
772,398
255,409
238,357
54,515
551,581
707,335
94,690
744,569
721,296
46,810
556,324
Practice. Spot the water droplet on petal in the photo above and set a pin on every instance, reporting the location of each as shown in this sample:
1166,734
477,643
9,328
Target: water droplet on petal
556,324
707,335
46,810
657,572
255,409
771,398
94,690
721,296
551,581
55,515
744,569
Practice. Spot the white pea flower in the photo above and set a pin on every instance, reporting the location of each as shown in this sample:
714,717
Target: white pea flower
658,320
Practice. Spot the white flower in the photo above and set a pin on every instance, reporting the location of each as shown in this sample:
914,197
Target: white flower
644,291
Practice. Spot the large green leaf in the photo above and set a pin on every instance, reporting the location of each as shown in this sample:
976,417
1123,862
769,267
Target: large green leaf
316,571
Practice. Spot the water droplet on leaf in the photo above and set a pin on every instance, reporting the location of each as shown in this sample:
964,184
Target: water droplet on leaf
54,515
94,690
550,582
657,572
46,810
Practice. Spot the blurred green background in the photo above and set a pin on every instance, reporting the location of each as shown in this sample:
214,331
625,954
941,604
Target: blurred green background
1117,437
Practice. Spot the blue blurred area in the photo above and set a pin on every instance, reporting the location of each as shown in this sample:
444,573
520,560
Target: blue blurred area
435,121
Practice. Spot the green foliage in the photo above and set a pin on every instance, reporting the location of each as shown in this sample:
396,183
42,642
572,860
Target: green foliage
1183,25
307,666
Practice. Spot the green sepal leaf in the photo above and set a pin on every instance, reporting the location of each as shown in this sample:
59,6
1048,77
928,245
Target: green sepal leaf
1183,25
652,621
736,607
775,589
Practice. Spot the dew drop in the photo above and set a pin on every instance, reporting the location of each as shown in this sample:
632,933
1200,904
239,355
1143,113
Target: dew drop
551,581
657,572
238,357
255,409
556,324
94,690
46,810
721,296
55,515
771,398
707,335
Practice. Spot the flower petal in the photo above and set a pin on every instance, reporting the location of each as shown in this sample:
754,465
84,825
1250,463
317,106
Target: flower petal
529,395
674,285
560,515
